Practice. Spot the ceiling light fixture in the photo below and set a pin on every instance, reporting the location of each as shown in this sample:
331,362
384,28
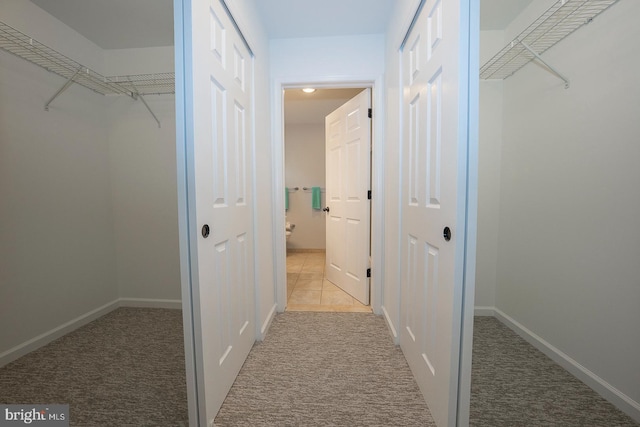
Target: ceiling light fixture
308,90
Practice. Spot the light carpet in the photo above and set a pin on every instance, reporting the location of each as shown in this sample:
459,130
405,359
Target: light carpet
123,369
514,384
325,369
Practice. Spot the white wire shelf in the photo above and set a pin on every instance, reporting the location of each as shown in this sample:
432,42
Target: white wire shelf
560,20
26,47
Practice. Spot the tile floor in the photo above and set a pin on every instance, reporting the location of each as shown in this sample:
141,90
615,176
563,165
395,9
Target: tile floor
309,290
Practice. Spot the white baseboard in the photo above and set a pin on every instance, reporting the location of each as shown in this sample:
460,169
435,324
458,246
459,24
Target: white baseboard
267,323
599,385
394,332
150,303
481,311
55,333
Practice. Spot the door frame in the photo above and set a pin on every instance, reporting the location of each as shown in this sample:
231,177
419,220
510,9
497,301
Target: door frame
376,83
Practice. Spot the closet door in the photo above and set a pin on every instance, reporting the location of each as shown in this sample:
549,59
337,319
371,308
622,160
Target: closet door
434,154
219,127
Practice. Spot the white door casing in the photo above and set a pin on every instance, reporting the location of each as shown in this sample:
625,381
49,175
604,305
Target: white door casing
348,180
434,179
218,128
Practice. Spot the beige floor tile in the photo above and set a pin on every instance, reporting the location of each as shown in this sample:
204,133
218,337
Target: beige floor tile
328,286
336,298
303,296
309,284
294,267
313,268
308,289
304,275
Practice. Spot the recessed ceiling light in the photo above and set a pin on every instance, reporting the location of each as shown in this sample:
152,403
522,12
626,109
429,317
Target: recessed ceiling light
308,90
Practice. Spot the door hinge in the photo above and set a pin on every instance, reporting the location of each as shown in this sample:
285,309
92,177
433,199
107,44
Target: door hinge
368,272
370,113
369,194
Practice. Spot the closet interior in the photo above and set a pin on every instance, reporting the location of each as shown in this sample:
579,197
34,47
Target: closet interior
557,143
89,222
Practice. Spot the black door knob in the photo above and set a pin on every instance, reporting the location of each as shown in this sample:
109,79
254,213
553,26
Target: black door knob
446,233
326,209
205,231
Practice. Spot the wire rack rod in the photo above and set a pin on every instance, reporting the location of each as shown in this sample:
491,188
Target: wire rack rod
560,20
26,47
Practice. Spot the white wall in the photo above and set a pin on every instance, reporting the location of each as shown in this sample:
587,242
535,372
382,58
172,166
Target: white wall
569,238
328,57
305,167
144,196
490,141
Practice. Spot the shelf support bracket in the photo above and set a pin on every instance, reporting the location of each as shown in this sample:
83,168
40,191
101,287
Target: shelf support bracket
62,89
149,108
137,95
546,64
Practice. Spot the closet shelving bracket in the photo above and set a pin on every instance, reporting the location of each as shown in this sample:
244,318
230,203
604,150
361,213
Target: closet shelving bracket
556,23
64,87
546,64
134,86
137,95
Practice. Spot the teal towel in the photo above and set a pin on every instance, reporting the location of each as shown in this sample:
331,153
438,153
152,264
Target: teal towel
315,198
286,198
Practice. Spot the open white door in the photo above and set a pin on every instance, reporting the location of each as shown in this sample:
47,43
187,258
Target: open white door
217,96
348,164
434,155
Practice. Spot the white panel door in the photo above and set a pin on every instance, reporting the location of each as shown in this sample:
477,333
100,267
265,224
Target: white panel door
218,89
433,200
348,163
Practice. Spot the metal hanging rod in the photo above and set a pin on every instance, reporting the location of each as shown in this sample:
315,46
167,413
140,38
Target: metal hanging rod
556,23
25,47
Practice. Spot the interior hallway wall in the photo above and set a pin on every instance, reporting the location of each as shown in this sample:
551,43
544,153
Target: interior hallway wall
569,237
305,167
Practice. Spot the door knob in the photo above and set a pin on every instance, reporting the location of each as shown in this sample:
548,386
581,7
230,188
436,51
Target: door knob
205,231
446,233
326,209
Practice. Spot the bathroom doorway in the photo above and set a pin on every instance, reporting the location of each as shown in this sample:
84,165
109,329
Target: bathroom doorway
305,186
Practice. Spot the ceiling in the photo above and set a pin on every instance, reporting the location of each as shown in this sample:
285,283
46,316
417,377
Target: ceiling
119,24
116,24
312,108
320,18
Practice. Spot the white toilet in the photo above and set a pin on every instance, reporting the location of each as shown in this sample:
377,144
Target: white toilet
288,229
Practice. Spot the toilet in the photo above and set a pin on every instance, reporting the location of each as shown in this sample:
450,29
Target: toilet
288,229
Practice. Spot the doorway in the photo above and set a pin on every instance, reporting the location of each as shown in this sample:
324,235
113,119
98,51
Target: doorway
376,185
308,185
